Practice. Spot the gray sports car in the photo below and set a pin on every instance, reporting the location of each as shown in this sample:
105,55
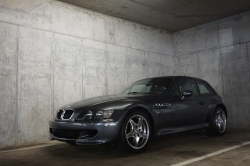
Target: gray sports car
148,108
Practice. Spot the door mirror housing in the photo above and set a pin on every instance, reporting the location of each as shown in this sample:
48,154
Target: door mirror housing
186,93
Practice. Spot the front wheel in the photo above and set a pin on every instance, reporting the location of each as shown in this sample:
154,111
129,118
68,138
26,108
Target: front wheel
218,124
135,132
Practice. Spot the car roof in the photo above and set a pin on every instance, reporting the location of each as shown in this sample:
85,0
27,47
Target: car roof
176,77
181,77
184,77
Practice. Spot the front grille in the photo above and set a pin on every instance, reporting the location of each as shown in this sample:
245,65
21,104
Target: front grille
64,114
68,114
73,134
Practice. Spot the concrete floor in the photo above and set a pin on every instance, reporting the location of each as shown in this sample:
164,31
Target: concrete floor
164,151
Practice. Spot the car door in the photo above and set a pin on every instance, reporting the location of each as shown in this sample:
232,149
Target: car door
161,104
206,95
187,111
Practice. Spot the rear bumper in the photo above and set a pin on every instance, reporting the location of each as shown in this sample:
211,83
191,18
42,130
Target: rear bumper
106,132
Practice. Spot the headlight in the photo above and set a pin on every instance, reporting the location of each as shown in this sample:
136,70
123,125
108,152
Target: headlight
104,114
85,115
95,115
99,114
107,114
89,115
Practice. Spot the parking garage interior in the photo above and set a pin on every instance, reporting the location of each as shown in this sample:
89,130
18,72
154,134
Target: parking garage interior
57,52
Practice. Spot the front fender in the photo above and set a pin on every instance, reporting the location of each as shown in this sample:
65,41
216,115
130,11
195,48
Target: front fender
149,112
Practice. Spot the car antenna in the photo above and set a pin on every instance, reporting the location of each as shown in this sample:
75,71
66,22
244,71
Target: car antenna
186,71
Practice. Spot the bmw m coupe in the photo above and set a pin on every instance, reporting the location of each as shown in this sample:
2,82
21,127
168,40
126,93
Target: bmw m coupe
148,108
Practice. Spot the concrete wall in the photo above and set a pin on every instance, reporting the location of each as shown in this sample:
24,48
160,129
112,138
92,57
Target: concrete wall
219,53
53,53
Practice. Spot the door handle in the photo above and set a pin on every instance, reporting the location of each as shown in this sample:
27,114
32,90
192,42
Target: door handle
201,103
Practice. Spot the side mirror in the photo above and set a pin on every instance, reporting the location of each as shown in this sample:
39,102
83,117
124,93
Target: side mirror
186,93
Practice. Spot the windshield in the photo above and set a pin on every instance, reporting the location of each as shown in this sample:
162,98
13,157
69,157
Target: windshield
149,86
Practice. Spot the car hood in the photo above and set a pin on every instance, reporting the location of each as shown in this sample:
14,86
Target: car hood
104,99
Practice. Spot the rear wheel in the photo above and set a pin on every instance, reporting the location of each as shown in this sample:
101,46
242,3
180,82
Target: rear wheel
135,132
218,124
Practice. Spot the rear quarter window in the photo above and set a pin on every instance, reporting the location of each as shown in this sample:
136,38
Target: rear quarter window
204,88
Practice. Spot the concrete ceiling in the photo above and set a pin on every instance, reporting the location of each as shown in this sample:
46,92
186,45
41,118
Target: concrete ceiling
169,15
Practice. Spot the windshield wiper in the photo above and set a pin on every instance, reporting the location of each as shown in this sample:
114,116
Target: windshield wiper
133,92
143,93
152,93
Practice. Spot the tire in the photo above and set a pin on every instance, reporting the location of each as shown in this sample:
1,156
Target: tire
218,123
135,132
71,142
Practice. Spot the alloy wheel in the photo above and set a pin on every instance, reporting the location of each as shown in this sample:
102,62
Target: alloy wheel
221,121
137,131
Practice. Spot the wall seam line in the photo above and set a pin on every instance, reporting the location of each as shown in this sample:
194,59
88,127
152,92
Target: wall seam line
82,52
199,51
106,64
248,61
35,28
126,64
222,76
17,87
53,70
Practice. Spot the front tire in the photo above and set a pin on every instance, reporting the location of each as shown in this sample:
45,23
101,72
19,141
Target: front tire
135,132
218,124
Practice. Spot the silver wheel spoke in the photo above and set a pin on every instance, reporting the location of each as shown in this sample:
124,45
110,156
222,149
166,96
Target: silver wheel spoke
143,135
133,124
130,134
221,126
140,123
137,141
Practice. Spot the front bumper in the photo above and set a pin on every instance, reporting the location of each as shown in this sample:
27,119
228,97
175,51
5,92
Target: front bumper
107,132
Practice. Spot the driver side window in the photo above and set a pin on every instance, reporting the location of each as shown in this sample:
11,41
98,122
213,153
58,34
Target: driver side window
174,91
187,84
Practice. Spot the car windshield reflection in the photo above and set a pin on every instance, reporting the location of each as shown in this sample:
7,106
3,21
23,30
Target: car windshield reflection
149,86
